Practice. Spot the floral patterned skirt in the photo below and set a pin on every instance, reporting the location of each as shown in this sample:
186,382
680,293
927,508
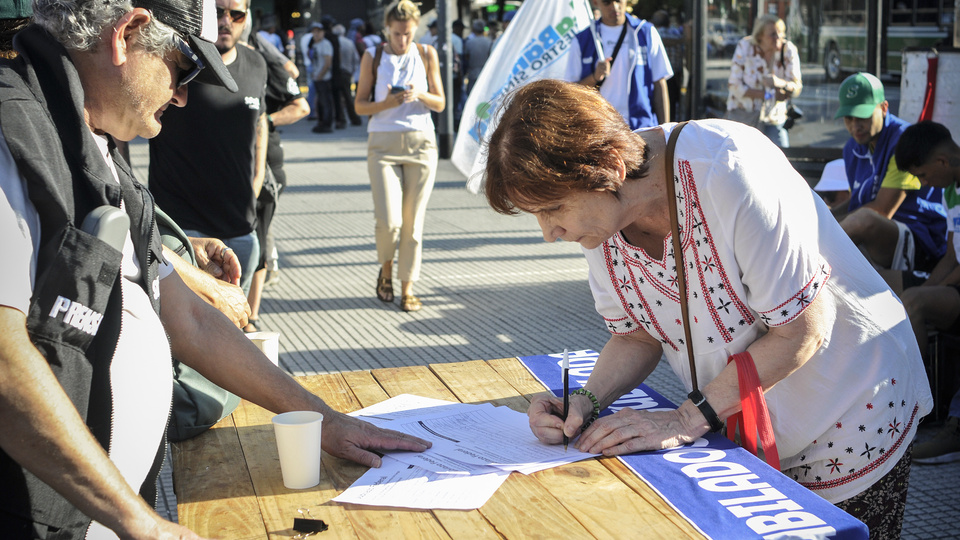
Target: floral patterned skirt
881,506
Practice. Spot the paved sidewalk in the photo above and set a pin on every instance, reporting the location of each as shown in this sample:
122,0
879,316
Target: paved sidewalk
490,285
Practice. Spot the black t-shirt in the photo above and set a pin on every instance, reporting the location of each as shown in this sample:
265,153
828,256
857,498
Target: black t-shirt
281,87
201,163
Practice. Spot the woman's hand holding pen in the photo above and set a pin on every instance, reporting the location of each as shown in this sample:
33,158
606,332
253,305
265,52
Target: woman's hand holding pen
546,416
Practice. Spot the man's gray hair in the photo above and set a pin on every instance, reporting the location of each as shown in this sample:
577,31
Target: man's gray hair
78,24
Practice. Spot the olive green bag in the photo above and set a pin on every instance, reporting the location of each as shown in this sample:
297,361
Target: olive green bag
198,404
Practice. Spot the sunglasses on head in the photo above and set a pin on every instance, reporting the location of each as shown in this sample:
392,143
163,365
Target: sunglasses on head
187,75
236,15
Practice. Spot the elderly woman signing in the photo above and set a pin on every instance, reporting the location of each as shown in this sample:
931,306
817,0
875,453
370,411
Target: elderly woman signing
768,271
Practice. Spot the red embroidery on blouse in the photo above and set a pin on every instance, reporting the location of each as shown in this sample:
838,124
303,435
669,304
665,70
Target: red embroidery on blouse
873,465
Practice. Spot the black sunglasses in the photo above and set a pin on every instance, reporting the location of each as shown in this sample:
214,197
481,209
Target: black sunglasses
187,76
236,15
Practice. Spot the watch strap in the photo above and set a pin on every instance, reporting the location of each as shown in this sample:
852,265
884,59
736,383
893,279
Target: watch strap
701,402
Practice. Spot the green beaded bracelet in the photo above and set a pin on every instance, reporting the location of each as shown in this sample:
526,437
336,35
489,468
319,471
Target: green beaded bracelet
596,406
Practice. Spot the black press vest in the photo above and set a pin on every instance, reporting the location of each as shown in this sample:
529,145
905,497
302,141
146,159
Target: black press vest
74,317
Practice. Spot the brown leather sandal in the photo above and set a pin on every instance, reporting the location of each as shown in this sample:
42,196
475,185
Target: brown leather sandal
384,287
410,302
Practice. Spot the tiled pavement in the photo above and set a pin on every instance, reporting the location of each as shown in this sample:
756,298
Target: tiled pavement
491,289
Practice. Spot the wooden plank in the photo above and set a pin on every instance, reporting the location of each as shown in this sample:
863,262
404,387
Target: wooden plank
610,507
418,380
379,523
631,480
522,508
477,382
279,505
215,495
603,502
366,389
338,391
421,381
515,373
349,392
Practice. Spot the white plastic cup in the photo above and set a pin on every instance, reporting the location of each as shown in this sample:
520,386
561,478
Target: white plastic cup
298,443
268,343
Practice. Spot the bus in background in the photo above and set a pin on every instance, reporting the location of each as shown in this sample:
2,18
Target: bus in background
842,32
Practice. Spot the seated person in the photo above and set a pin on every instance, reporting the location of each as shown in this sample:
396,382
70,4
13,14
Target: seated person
833,187
929,152
897,223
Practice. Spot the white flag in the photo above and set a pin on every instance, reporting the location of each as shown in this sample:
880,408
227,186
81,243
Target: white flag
534,46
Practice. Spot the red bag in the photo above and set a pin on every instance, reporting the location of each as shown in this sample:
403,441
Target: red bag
754,417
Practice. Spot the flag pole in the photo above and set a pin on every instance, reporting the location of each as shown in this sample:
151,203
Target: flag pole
593,30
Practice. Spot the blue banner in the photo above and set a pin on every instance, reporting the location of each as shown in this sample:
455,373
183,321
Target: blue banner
720,488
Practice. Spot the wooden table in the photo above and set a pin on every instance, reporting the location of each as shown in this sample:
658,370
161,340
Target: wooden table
228,482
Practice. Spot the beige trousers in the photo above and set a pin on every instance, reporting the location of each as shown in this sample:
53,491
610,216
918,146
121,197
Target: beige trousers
402,168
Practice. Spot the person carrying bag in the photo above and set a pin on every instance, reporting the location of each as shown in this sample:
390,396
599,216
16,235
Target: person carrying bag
764,75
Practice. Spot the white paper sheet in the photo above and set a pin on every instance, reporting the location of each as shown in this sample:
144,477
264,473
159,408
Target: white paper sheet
407,406
497,436
398,484
474,449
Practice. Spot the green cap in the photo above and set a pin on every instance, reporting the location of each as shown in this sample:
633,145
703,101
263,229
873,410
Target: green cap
860,94
15,9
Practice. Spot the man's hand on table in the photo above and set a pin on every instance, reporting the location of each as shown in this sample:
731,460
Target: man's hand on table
351,438
165,530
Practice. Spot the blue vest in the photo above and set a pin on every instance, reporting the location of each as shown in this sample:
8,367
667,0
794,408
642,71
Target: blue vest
922,209
641,91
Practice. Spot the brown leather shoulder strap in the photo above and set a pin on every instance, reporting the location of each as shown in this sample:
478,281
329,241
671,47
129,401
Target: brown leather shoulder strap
672,203
376,65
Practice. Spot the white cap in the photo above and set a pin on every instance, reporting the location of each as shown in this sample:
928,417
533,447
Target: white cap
834,177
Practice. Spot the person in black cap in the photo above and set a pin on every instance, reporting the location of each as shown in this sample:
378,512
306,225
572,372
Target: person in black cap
84,347
231,127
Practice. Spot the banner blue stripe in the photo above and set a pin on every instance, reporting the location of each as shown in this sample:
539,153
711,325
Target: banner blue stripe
720,488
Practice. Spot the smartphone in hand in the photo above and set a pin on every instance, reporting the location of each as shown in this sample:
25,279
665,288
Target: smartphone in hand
397,89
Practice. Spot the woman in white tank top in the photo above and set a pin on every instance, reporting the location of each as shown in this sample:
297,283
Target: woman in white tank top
398,88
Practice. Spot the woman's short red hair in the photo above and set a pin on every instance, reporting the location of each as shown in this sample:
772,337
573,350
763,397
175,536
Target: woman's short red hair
555,138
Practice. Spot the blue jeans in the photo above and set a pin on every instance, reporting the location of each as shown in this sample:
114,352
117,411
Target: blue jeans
324,104
311,96
246,248
777,134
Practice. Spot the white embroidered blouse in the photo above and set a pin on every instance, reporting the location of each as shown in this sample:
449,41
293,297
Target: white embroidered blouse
760,246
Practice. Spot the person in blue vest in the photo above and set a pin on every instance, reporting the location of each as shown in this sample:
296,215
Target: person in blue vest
898,223
633,70
928,151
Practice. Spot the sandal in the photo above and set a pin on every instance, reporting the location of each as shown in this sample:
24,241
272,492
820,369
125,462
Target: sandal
251,326
410,302
384,288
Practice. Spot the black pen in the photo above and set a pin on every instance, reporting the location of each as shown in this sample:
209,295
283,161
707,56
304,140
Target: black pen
566,394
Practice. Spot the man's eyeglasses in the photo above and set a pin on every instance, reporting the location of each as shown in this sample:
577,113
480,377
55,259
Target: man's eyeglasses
185,75
236,15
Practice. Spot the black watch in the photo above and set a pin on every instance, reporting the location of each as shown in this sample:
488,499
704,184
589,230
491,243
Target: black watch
701,402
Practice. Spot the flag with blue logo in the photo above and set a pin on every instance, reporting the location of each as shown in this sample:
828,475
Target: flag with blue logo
534,47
